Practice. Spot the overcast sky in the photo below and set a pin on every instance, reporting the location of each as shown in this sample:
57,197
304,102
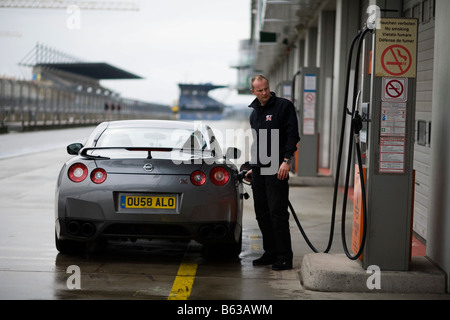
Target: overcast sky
166,42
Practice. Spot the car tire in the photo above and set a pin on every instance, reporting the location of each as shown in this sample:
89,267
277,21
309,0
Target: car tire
68,246
229,250
236,248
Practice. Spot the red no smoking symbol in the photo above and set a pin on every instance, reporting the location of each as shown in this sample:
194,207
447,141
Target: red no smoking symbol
395,89
310,97
396,60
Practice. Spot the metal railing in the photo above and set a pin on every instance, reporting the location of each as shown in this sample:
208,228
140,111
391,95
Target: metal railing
30,105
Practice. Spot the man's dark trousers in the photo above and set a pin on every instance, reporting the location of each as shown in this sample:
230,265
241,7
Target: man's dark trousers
271,198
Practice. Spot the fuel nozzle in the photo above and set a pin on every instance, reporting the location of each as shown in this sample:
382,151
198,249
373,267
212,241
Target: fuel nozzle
243,170
242,176
357,123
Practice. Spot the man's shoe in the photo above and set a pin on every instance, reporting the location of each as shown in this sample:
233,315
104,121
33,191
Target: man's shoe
265,260
280,265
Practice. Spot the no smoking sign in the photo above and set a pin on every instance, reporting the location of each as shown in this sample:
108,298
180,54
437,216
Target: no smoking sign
395,89
310,97
396,60
396,48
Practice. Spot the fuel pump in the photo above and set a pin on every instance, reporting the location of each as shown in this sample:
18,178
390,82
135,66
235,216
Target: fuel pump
390,148
383,108
307,155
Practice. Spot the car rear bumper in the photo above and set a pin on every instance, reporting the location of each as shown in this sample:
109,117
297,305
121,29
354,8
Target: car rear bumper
206,232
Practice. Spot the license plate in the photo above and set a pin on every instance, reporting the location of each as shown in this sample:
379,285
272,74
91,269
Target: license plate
147,202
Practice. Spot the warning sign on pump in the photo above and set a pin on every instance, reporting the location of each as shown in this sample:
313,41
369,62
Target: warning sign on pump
396,48
392,155
393,119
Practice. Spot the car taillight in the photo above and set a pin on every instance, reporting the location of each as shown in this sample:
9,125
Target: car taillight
98,176
198,178
77,172
219,176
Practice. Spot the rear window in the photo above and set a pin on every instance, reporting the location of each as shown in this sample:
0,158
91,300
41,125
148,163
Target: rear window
152,137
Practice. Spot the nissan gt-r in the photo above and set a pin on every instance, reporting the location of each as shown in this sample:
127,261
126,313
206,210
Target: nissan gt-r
136,179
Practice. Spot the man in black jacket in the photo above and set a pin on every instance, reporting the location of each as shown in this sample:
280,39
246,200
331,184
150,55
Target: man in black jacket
275,128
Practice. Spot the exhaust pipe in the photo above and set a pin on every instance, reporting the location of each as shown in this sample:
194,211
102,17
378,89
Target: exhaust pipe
206,232
220,231
73,227
87,229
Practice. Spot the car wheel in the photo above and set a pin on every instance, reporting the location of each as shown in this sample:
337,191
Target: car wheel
229,250
235,248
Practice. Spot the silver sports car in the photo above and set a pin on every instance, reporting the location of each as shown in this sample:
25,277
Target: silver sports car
150,179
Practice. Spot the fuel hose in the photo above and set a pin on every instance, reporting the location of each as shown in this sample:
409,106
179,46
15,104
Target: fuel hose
356,125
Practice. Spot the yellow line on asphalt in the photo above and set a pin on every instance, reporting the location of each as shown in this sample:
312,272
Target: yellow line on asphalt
182,286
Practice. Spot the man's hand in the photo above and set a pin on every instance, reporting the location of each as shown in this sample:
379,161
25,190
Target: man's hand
283,172
248,176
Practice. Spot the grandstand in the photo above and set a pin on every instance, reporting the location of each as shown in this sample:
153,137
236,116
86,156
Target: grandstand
195,104
65,91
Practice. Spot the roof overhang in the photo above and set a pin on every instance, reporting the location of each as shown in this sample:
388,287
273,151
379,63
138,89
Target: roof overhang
204,87
288,20
95,70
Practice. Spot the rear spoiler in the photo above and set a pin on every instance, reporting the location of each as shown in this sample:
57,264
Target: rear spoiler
84,151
